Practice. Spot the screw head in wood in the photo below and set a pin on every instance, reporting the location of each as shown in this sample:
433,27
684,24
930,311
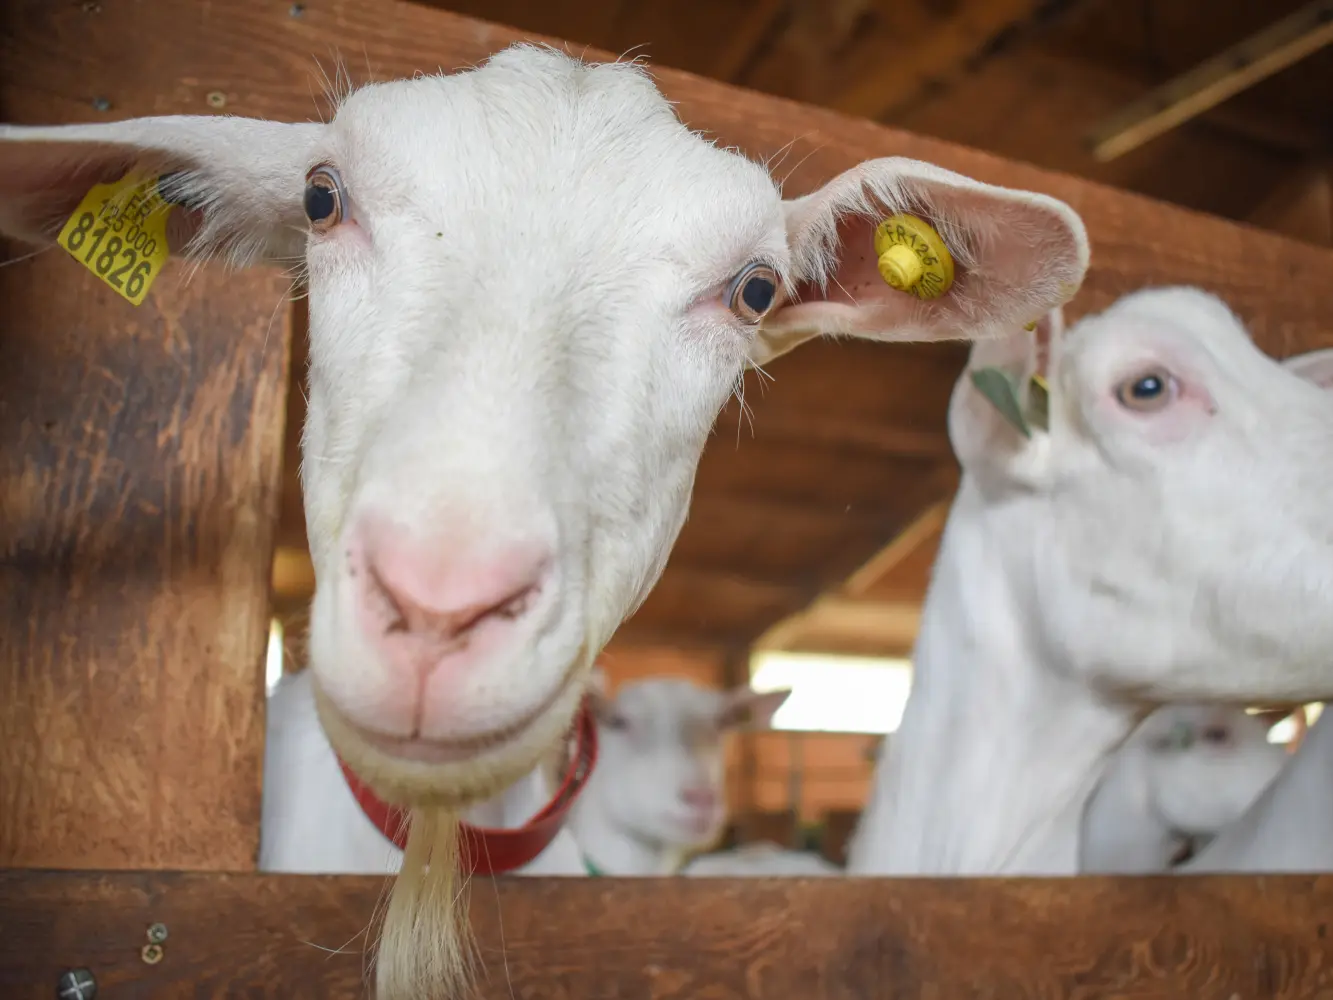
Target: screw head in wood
296,10
151,954
157,933
76,984
217,99
101,104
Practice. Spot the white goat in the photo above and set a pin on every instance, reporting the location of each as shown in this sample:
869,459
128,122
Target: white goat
1167,539
1187,773
659,791
1290,828
531,289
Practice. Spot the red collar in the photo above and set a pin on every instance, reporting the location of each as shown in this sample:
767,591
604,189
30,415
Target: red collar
492,852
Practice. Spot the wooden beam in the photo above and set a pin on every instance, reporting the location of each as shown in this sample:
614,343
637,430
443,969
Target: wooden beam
926,525
1206,938
951,41
262,61
140,455
833,624
1213,81
1301,207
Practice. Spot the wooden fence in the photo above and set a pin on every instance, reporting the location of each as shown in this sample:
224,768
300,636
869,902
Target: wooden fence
140,460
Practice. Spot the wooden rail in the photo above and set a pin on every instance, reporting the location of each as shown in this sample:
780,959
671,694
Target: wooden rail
690,939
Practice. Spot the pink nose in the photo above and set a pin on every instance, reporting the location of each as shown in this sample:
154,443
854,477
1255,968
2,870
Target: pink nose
425,602
702,799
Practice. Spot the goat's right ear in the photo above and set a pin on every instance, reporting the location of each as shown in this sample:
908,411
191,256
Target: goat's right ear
240,182
981,430
744,707
977,260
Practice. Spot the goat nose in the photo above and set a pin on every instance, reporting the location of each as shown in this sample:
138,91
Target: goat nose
699,798
425,600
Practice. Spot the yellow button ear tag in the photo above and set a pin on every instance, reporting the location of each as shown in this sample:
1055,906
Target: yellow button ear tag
913,257
119,233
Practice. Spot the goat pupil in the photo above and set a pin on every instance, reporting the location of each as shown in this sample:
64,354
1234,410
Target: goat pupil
758,294
319,202
1147,387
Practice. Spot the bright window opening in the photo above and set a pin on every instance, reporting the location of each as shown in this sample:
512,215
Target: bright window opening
273,661
835,694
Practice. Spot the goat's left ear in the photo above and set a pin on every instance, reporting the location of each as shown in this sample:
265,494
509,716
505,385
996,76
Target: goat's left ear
984,434
744,707
986,261
240,182
1313,366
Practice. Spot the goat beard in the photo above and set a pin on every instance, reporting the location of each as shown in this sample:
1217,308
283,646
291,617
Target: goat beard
425,946
425,949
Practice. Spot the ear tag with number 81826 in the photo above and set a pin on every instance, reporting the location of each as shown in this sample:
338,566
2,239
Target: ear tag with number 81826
119,233
1002,391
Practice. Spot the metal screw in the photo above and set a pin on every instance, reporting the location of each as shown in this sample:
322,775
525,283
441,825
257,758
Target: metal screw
157,933
151,954
101,104
217,99
76,984
296,10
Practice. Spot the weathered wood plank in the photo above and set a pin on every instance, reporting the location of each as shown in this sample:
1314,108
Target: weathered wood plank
139,476
262,61
612,939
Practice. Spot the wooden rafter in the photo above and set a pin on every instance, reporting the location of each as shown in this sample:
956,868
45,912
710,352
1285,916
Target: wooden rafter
1214,80
951,43
924,527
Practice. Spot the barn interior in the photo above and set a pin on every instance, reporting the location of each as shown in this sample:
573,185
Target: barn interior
822,494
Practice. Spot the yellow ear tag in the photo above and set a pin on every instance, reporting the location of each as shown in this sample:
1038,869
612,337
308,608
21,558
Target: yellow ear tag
119,233
913,257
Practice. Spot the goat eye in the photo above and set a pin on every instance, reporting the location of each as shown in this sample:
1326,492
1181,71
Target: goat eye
1148,392
752,292
323,199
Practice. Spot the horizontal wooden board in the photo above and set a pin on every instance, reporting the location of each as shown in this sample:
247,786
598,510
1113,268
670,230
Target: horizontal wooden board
262,61
286,937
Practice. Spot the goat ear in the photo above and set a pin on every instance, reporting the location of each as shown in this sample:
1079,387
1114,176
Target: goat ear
1014,255
1313,366
599,698
243,179
983,430
744,707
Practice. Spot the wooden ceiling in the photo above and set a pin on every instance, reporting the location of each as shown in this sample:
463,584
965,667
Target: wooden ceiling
848,447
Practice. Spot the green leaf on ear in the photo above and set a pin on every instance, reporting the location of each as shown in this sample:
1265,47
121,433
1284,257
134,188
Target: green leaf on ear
999,388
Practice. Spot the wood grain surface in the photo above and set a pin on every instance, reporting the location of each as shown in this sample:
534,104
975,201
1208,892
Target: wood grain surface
266,63
139,477
703,939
